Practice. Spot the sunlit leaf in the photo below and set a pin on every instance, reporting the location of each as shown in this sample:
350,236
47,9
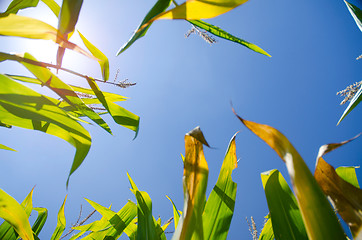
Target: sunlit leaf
61,223
356,14
346,198
117,222
20,106
40,220
159,7
195,182
285,216
318,216
198,9
348,174
219,207
267,231
146,224
354,102
6,148
176,215
131,229
68,17
13,213
7,232
223,34
26,27
103,60
120,115
52,5
17,5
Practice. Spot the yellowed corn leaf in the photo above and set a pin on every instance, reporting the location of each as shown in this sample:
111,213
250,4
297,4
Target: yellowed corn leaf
346,198
26,27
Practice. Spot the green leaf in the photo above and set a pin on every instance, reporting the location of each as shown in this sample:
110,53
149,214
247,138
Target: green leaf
40,220
26,27
267,232
219,207
159,7
103,60
17,5
319,218
348,174
20,106
285,216
61,223
146,229
176,215
346,198
356,14
116,222
13,213
7,232
354,102
225,35
52,5
195,182
6,148
120,115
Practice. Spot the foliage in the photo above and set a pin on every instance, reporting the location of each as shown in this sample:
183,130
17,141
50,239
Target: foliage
212,218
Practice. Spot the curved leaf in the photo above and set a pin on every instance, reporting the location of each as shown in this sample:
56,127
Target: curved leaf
195,182
267,232
347,198
159,7
225,35
40,220
286,219
52,5
61,223
146,226
103,60
26,27
219,207
356,14
318,216
176,215
348,174
354,102
17,5
13,213
20,106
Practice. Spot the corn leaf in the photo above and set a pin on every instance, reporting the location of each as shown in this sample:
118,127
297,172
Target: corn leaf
159,7
120,115
7,232
356,14
318,216
117,222
267,231
146,226
348,174
219,207
17,5
103,60
61,223
176,215
20,106
26,27
13,213
40,220
225,35
6,148
354,102
347,198
198,9
285,216
53,6
131,229
190,225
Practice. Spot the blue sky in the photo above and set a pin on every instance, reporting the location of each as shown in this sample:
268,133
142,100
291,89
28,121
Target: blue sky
184,83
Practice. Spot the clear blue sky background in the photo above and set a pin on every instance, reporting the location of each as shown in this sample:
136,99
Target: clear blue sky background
183,83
